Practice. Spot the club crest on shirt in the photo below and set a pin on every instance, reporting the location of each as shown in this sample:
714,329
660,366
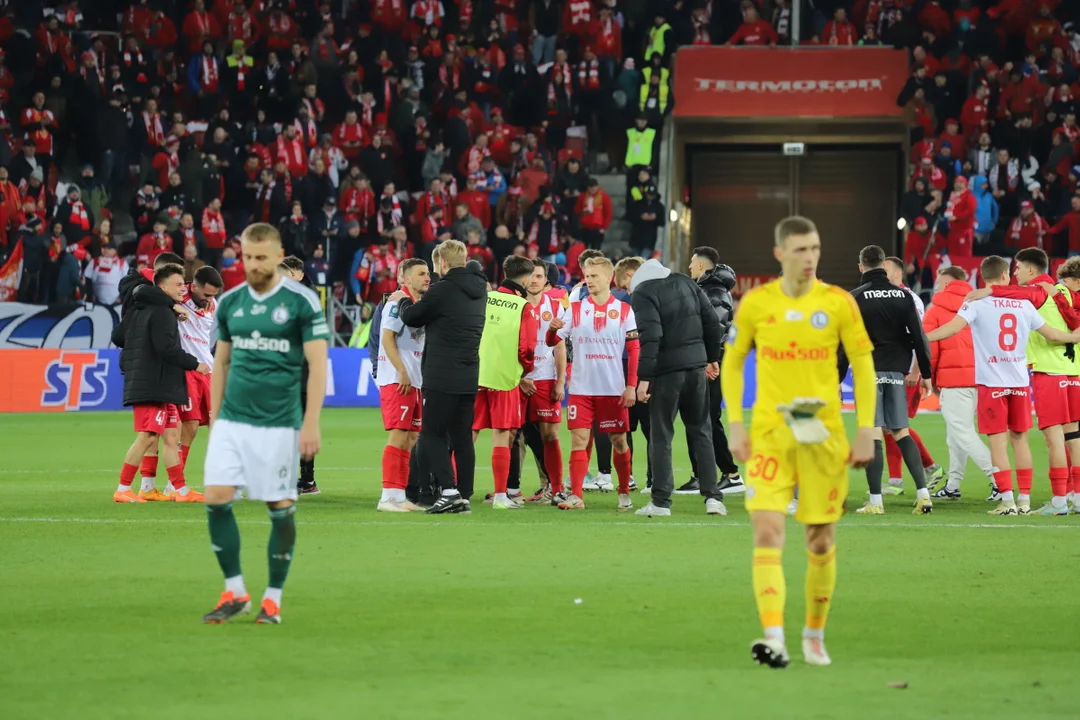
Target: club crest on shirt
613,314
546,316
280,315
819,320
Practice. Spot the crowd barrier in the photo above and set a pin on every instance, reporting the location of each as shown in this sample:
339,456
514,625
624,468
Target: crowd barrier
53,380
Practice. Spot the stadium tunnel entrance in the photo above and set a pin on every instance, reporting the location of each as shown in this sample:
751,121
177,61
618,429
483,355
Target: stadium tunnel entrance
761,133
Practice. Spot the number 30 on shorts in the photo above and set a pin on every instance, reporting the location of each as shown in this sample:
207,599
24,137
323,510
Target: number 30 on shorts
763,467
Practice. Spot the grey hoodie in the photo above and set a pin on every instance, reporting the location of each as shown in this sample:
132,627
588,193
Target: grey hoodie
650,270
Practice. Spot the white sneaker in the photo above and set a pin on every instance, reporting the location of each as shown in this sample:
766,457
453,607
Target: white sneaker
769,652
603,483
589,483
715,507
624,503
793,506
391,506
508,503
814,652
651,510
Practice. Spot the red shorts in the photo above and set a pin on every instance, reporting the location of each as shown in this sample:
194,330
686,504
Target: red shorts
609,413
1002,409
540,406
498,409
1051,397
1074,399
401,412
156,418
914,398
198,404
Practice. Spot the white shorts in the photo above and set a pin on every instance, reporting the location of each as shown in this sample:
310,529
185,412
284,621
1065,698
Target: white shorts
265,460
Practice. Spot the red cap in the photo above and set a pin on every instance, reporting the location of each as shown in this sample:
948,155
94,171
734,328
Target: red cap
380,118
412,49
364,27
451,38
962,180
87,56
1026,205
496,112
921,220
951,121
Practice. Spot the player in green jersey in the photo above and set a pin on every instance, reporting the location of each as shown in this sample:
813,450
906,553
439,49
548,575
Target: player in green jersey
266,329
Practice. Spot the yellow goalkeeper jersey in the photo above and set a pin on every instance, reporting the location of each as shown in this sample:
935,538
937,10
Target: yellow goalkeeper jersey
797,340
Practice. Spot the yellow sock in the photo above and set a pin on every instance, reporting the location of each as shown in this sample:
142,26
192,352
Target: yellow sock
820,585
769,588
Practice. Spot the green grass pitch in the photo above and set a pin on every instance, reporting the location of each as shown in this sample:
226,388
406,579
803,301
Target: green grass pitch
475,617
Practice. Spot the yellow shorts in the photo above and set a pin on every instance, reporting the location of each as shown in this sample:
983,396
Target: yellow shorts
778,463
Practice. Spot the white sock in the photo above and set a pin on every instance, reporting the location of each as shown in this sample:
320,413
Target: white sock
122,488
184,490
397,495
896,482
147,484
500,496
385,497
1007,496
273,594
450,493
1022,498
875,500
929,468
168,486
235,585
922,493
775,633
813,634
1057,501
513,493
953,485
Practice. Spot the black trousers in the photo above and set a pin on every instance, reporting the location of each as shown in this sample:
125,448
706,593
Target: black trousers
526,438
307,467
639,418
682,393
721,453
448,427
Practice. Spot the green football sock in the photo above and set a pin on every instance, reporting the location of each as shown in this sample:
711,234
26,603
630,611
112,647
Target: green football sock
225,538
280,548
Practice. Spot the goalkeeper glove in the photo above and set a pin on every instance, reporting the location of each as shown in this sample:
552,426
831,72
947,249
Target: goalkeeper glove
801,416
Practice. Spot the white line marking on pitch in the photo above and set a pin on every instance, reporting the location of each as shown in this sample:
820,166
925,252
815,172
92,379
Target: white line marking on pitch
473,522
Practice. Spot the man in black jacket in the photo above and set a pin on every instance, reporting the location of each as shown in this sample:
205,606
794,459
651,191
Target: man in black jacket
893,323
452,314
154,364
680,350
716,280
293,267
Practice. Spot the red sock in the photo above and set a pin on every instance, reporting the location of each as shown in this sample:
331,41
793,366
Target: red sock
148,468
402,480
390,470
453,466
553,464
588,453
184,450
1059,481
892,454
500,467
1075,474
624,466
176,475
1023,480
127,474
1003,480
579,465
927,459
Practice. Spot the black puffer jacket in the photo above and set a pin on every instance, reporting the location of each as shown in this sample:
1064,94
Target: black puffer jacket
128,285
677,326
717,283
152,360
452,314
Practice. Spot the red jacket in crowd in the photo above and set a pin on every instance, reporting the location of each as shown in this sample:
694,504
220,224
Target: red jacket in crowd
1070,222
758,32
961,215
233,275
594,211
836,33
150,246
213,227
1027,232
952,361
479,205
916,244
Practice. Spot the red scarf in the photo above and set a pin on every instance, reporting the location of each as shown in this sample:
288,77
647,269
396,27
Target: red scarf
136,59
567,77
465,13
451,82
314,107
589,75
209,74
701,34
395,219
367,114
154,132
308,132
607,37
534,231
241,74
292,153
266,192
189,238
79,216
428,12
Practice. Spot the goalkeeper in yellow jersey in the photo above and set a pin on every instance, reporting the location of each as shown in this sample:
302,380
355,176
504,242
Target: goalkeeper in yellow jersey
796,436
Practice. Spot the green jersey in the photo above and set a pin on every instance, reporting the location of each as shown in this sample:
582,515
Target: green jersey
267,333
